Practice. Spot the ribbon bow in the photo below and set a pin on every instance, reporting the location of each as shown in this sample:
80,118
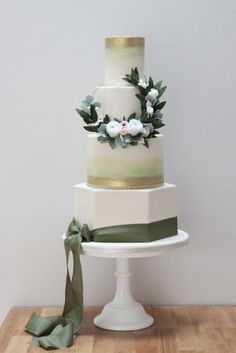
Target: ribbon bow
59,331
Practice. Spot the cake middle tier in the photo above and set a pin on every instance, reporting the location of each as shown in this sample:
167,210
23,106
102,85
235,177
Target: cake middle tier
118,101
153,209
132,167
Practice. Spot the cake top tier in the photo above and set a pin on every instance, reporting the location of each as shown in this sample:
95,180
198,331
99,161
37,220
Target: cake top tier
122,54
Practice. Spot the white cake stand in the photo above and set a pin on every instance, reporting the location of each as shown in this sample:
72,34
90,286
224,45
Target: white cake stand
123,313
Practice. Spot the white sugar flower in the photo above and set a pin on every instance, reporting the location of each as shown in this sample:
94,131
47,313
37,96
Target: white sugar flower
152,95
113,128
142,83
149,107
134,127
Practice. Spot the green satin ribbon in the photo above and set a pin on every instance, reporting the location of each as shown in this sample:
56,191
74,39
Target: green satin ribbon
59,331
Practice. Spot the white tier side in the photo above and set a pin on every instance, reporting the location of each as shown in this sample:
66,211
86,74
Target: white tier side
118,101
104,207
130,167
121,55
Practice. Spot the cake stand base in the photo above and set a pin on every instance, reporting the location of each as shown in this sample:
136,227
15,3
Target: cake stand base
123,313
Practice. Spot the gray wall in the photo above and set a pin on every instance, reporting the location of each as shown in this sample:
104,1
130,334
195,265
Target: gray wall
51,56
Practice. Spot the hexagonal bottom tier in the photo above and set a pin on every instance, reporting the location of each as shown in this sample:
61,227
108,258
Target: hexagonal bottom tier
154,209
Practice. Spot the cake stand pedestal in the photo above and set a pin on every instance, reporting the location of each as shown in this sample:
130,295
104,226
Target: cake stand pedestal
123,313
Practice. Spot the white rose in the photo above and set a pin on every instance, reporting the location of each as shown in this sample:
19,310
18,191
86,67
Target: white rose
134,127
152,95
142,83
149,109
113,128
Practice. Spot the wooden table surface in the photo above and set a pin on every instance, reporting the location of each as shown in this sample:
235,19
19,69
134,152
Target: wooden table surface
194,329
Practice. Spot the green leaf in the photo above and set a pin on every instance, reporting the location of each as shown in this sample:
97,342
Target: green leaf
93,112
127,139
135,75
133,143
157,123
128,80
93,128
157,114
136,71
120,141
107,119
140,97
112,142
86,117
154,133
146,144
83,114
161,91
150,82
158,85
161,105
137,137
144,117
131,116
143,90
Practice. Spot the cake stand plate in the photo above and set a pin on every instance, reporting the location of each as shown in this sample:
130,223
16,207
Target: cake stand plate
123,313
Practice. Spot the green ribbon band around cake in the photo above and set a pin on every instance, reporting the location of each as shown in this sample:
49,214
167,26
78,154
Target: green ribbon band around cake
55,332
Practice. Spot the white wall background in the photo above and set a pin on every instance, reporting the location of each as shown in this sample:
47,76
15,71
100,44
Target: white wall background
51,56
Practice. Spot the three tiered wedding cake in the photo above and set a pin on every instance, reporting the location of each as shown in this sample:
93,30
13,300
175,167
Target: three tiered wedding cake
125,180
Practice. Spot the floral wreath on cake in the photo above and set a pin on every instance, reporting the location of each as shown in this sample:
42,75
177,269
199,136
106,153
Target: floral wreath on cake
133,129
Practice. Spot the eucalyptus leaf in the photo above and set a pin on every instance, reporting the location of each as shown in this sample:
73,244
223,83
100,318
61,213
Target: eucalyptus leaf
97,104
127,139
103,138
89,99
102,129
120,141
146,143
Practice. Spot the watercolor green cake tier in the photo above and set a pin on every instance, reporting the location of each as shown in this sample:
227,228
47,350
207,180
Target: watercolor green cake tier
124,168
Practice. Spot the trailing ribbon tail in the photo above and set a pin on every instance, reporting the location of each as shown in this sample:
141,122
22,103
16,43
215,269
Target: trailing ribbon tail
59,331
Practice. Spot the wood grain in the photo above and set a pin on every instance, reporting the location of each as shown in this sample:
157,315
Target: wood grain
194,329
